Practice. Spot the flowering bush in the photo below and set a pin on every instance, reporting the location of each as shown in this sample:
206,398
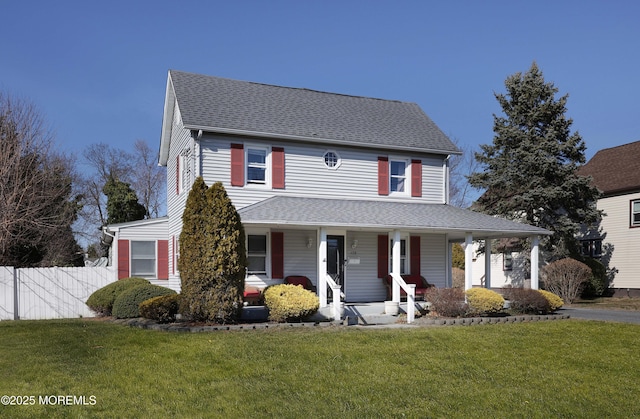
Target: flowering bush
484,301
290,302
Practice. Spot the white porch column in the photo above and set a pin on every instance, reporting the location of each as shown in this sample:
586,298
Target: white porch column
395,268
468,261
322,267
535,255
487,262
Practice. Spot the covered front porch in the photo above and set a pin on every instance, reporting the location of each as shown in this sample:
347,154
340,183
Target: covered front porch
347,247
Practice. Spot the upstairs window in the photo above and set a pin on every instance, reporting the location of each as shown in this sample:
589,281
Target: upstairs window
397,176
331,159
635,213
256,166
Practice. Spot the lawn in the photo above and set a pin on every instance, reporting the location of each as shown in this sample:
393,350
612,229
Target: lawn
562,368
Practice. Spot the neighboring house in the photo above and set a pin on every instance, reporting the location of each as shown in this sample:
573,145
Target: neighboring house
327,185
616,173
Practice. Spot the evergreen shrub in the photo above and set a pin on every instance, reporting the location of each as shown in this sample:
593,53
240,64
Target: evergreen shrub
212,260
162,309
127,305
101,301
598,283
484,301
288,302
527,301
447,302
555,302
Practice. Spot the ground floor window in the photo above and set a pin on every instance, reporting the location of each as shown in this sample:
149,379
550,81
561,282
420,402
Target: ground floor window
404,269
257,253
592,248
143,259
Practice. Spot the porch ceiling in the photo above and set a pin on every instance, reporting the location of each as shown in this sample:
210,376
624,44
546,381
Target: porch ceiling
299,212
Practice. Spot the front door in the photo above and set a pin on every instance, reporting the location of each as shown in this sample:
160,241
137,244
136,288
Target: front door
335,259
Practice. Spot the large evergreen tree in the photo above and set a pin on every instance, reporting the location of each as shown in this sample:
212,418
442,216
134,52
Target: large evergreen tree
530,169
212,256
122,202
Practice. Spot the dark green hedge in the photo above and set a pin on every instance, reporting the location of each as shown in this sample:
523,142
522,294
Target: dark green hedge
101,301
127,305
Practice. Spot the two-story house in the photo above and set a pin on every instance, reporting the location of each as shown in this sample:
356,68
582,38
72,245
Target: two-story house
616,173
326,184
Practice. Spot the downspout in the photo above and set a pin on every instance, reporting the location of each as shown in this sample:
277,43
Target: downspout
113,248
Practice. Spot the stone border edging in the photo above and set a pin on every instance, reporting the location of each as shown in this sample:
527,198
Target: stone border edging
465,321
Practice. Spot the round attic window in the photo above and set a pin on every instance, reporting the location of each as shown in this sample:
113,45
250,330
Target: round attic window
331,159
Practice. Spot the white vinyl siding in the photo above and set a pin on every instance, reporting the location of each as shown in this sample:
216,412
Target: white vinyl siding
625,239
307,173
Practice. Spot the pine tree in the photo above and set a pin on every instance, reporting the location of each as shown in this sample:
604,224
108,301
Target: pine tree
530,169
212,256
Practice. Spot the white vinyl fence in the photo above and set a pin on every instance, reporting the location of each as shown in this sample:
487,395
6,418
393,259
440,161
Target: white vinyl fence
50,293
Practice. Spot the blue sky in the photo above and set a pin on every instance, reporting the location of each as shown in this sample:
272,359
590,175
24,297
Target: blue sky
97,70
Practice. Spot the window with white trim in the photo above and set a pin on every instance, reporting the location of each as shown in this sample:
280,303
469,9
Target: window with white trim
331,159
397,176
143,259
635,213
404,267
256,165
184,171
257,253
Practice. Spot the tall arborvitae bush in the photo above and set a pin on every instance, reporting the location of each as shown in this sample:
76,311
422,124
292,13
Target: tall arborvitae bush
212,255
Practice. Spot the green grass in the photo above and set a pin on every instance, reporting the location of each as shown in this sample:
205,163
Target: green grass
566,368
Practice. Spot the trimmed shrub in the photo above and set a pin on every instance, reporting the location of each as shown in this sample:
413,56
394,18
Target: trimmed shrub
288,302
212,260
555,302
566,278
101,301
484,301
447,302
127,305
527,301
162,309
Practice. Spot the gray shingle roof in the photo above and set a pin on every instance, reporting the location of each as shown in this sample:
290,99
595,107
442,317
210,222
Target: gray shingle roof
219,104
382,215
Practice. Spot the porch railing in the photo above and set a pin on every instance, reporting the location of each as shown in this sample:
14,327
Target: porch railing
410,290
336,293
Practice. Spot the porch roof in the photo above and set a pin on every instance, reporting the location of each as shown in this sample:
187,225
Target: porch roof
296,212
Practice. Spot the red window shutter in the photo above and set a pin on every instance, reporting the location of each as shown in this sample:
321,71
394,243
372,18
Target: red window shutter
277,165
237,165
177,175
383,256
163,259
123,259
383,175
414,257
416,178
277,255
